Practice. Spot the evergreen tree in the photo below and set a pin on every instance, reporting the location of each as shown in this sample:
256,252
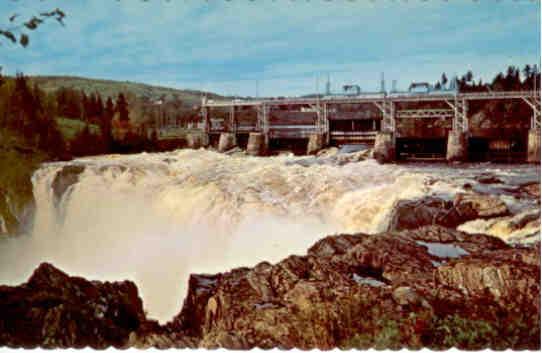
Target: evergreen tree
468,76
527,72
22,108
105,121
99,106
122,108
86,112
444,80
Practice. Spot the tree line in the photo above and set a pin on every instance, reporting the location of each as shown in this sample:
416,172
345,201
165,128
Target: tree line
34,115
513,79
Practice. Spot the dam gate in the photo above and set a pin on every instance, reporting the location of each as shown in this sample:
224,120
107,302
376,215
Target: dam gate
399,125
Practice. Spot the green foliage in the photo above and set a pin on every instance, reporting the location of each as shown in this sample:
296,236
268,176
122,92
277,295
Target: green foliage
422,328
456,331
70,128
136,93
385,333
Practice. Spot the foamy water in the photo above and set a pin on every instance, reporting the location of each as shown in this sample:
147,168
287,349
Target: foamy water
156,218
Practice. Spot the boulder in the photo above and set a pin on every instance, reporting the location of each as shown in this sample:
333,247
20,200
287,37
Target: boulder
475,205
411,214
54,310
488,179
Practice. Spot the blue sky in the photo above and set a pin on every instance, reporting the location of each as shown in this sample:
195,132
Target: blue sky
286,45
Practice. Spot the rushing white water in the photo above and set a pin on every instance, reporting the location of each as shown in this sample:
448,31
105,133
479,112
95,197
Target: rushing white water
155,218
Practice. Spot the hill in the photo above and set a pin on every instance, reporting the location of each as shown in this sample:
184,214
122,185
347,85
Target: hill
109,88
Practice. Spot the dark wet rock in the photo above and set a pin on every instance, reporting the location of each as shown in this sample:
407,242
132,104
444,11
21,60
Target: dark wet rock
487,296
65,178
488,179
8,221
411,214
54,310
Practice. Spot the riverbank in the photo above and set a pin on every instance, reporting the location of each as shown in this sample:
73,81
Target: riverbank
18,162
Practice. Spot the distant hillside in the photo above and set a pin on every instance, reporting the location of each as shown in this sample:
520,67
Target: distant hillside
109,88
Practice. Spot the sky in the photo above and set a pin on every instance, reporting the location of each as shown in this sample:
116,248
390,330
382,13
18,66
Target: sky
276,47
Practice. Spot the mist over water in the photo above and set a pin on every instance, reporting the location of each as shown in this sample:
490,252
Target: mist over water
156,218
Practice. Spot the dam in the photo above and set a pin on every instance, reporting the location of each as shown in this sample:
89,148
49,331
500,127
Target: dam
399,125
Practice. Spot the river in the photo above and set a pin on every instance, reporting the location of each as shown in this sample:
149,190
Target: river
156,218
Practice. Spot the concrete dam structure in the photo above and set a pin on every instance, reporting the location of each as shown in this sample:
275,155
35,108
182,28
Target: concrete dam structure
400,126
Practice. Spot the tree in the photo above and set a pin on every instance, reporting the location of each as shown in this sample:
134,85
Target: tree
468,76
105,121
99,106
122,108
527,72
444,79
498,82
22,107
86,112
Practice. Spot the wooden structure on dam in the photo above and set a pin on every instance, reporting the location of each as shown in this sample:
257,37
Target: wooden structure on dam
400,124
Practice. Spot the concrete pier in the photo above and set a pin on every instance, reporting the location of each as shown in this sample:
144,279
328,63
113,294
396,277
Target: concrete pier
195,140
384,149
227,141
533,146
457,148
256,144
316,143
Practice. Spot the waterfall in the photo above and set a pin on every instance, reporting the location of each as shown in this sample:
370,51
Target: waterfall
156,218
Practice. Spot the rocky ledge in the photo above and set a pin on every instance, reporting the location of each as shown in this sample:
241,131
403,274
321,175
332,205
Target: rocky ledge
431,287
54,310
427,287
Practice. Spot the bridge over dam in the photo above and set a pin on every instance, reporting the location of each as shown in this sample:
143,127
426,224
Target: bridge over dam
399,125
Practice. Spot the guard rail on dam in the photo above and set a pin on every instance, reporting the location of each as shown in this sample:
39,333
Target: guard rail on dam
400,125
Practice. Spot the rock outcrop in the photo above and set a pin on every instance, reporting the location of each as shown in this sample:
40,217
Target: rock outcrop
65,178
54,310
411,214
431,287
8,222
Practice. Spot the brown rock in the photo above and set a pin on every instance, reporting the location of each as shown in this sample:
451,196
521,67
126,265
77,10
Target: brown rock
387,290
479,206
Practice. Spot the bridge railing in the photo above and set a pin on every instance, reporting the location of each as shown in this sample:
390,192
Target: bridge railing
372,98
